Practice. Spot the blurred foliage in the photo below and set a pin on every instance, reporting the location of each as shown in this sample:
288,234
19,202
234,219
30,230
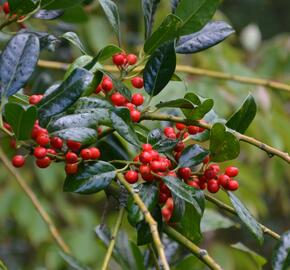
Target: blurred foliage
24,239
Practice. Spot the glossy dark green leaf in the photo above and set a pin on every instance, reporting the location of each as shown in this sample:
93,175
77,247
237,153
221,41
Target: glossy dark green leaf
73,262
74,39
211,34
112,13
90,178
59,4
17,62
80,62
246,217
142,132
177,103
281,255
19,98
78,134
185,192
149,195
244,116
44,14
154,136
165,145
167,31
195,14
65,95
178,210
20,7
149,9
223,144
21,118
122,123
159,69
192,155
86,103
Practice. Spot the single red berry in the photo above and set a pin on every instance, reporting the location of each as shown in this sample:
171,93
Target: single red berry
6,8
155,166
98,89
95,153
7,126
232,171
74,146
177,155
179,146
131,177
100,131
145,169
56,142
137,99
132,59
130,106
206,160
13,144
169,132
154,154
210,173
223,180
213,186
166,213
172,173
42,139
180,126
118,99
164,189
52,152
43,162
214,167
107,85
202,186
137,82
34,99
146,147
71,168
185,173
119,59
18,161
170,204
86,154
145,157
233,185
135,115
162,197
192,130
71,157
40,152
194,184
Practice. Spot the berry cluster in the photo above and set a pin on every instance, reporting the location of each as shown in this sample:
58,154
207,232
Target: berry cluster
6,10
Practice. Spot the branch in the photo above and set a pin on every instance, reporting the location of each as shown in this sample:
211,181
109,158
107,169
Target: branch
201,254
8,22
231,210
36,203
113,239
149,219
192,71
269,149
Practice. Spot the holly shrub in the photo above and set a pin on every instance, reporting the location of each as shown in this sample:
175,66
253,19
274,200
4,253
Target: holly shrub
163,180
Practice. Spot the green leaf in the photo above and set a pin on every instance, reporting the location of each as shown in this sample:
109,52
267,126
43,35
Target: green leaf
159,69
149,195
80,62
280,259
195,14
21,118
59,4
167,31
178,210
223,144
86,103
192,155
76,14
185,192
73,262
44,14
211,34
112,13
165,145
3,266
149,9
243,117
79,134
20,7
90,178
121,121
154,136
19,98
17,62
246,217
181,103
65,95
74,39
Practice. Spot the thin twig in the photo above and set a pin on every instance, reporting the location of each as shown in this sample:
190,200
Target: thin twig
8,22
269,149
231,210
36,203
149,219
201,254
113,239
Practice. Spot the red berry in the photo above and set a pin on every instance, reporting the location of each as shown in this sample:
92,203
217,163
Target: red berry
135,115
95,153
180,126
210,173
223,180
98,89
194,184
179,147
163,197
155,166
137,99
74,146
131,177
18,161
13,144
107,85
192,130
132,59
119,59
233,185
145,157
213,186
40,152
202,186
145,169
154,154
42,139
206,160
171,173
118,99
185,173
214,167
51,151
232,171
34,99
86,154
43,162
71,168
166,213
170,204
130,106
6,8
146,147
177,155
137,82
56,142
71,157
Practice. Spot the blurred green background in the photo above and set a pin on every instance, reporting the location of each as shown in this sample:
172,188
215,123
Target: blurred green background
260,48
